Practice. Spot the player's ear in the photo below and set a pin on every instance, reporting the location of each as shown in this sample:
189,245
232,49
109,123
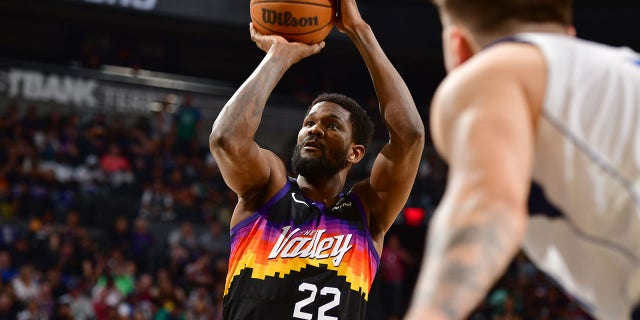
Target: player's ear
460,46
571,30
356,154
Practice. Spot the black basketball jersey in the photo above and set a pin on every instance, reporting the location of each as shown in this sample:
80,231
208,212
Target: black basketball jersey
295,259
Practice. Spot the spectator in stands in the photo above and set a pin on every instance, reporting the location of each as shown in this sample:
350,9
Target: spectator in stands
116,166
183,194
47,141
80,302
51,253
143,245
10,231
45,302
31,311
53,122
25,285
90,177
162,123
31,193
7,270
198,273
170,298
188,121
120,236
5,194
142,149
199,305
214,241
30,121
22,253
144,290
85,248
183,245
9,118
157,202
63,309
72,230
9,306
184,236
53,276
68,140
105,298
119,269
93,139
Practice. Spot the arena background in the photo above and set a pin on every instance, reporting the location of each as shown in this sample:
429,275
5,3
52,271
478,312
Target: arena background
115,62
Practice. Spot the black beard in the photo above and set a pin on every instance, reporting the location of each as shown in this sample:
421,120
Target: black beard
316,168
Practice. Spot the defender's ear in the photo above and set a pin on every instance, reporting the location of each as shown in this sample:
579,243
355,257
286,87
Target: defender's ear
459,46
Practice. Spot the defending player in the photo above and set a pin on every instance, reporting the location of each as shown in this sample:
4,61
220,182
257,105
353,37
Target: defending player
525,101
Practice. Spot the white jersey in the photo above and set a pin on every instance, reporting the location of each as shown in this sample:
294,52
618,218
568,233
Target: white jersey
584,229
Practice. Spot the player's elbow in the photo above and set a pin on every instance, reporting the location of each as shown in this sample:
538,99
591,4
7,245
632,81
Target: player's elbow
230,146
414,138
216,140
413,130
219,141
418,134
404,123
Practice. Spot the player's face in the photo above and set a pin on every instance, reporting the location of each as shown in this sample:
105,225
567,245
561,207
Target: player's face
324,141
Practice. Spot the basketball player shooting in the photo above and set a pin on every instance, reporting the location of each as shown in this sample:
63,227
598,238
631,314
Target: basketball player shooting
303,247
526,101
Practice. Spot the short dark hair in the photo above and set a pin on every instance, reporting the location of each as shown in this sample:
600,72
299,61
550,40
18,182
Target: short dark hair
362,124
489,16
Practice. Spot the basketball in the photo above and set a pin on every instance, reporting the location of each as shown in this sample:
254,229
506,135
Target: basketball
307,21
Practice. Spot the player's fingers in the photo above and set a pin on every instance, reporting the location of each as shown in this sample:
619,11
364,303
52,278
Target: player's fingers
315,48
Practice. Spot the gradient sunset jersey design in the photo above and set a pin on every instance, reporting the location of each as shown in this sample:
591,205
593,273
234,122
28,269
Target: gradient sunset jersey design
294,259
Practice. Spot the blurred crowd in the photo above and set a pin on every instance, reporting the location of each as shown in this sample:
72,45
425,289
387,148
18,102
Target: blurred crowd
106,221
110,218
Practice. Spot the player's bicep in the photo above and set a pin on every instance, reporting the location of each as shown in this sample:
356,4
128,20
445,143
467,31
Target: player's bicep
392,176
394,171
489,143
483,121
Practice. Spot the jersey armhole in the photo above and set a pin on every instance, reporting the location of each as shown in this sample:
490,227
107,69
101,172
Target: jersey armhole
363,217
263,210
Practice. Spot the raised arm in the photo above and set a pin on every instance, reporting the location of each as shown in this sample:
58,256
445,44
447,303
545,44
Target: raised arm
245,167
394,170
482,124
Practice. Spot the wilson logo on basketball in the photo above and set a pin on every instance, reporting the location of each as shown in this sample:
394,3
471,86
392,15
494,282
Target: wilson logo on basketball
274,17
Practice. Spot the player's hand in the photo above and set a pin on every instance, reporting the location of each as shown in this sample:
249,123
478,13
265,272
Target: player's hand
348,16
296,51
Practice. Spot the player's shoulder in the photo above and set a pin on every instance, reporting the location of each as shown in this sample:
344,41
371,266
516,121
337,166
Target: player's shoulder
503,74
499,66
504,61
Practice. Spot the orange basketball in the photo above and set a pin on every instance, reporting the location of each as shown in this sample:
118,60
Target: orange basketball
308,21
